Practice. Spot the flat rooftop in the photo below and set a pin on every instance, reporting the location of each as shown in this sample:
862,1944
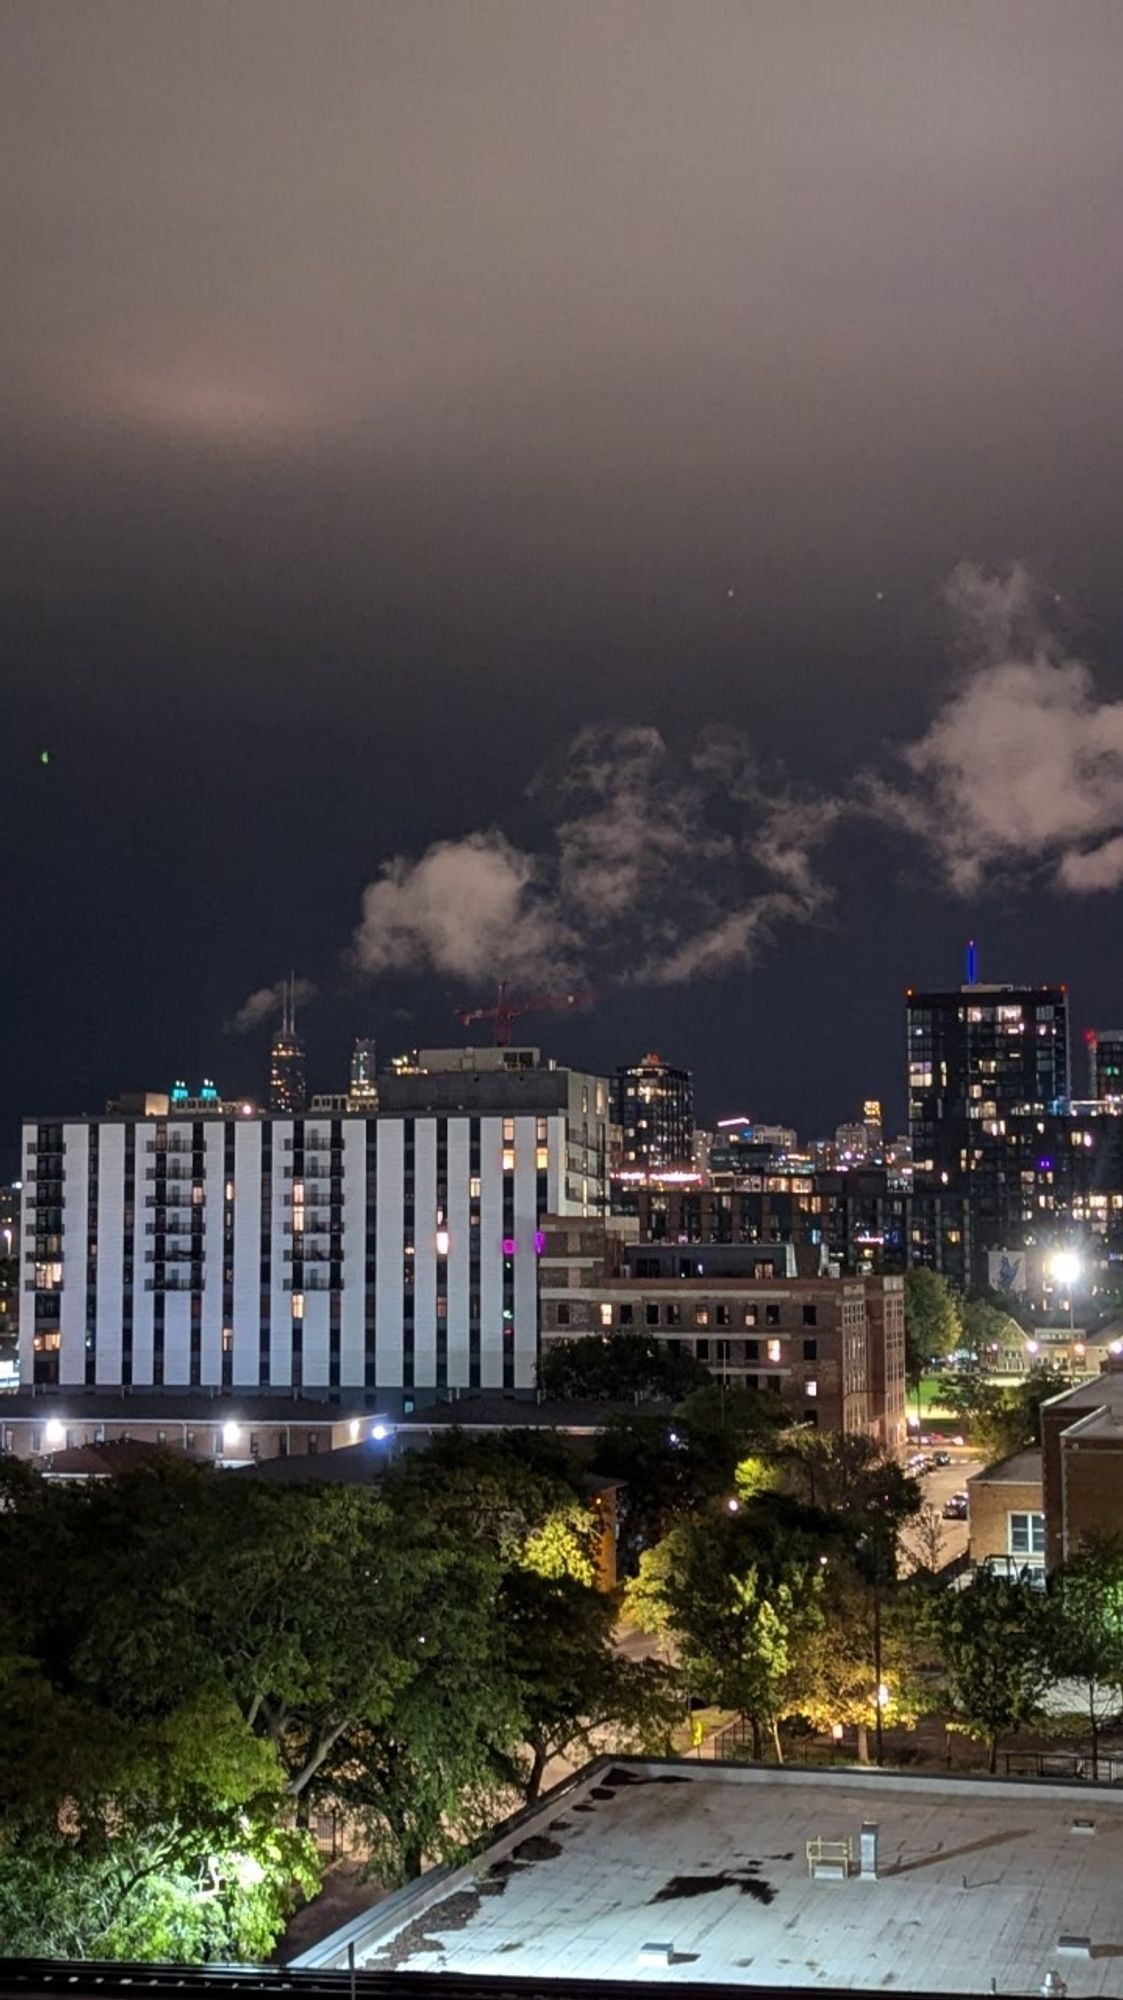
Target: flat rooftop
979,1880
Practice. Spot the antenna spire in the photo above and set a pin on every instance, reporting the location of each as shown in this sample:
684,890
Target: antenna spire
972,963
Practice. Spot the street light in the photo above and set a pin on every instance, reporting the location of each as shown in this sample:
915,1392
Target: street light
1065,1269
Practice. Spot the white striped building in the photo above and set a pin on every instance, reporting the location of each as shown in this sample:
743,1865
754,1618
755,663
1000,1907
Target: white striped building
391,1253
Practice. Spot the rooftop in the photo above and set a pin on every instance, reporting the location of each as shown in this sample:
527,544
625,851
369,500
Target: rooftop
1022,1468
698,1874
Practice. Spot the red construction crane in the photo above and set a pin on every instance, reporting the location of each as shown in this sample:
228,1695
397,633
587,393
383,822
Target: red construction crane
508,1009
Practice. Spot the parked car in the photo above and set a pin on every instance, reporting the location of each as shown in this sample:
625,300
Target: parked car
941,1458
955,1509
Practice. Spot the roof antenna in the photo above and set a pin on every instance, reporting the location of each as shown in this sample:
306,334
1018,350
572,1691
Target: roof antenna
972,963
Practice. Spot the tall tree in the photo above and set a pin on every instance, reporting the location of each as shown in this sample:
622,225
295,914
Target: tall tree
741,1596
993,1639
1086,1628
932,1323
573,1686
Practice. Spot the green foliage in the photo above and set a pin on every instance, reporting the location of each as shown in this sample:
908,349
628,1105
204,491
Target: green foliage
741,1593
676,1466
1002,1419
987,1328
932,1323
563,1545
624,1367
1086,1626
575,1687
993,1640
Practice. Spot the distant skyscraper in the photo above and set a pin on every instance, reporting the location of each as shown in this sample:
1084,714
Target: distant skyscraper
1105,1062
363,1087
654,1108
288,1092
977,1056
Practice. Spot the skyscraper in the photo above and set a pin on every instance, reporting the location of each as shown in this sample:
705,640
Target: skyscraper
976,1057
1105,1062
363,1085
654,1108
288,1093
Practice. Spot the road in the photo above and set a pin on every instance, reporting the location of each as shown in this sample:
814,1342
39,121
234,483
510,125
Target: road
938,1488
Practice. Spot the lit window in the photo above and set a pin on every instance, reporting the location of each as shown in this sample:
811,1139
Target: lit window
508,1131
541,1131
773,1350
474,1188
606,1315
701,1315
228,1340
298,1305
811,1388
508,1160
541,1159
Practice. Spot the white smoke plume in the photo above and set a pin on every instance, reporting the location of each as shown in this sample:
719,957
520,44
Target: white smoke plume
662,869
649,876
266,1002
1023,767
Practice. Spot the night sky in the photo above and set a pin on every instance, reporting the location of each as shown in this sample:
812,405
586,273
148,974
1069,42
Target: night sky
613,492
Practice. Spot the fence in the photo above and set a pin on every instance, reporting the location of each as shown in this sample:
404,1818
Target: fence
1059,1764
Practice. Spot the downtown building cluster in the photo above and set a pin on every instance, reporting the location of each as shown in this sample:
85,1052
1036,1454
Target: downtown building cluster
397,1243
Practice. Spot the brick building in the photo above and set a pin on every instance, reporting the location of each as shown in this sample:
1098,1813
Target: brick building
832,1348
1038,1506
1006,1514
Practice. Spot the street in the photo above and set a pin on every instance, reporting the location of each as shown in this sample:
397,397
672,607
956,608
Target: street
938,1487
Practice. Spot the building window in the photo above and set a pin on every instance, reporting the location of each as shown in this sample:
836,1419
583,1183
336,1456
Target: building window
750,1315
810,1315
606,1314
652,1315
626,1315
298,1305
771,1315
508,1159
541,1159
673,1316
701,1315
811,1388
811,1350
773,1350
508,1131
474,1188
563,1314
1027,1534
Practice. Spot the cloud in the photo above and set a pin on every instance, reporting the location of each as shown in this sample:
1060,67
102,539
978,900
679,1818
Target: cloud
266,1002
647,875
661,868
1023,766
472,908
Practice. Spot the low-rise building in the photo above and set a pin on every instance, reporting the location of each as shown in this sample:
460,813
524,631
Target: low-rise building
224,1430
1006,1514
831,1348
768,1879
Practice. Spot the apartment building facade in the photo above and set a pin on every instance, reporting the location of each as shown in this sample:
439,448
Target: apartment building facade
389,1253
831,1348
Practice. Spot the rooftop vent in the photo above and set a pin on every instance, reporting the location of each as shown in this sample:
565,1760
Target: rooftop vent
1083,1826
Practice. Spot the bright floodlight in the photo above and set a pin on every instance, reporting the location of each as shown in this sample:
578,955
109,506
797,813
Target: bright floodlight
380,1432
1065,1267
231,1432
55,1432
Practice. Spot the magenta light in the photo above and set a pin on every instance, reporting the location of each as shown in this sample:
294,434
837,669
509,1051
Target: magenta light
539,1242
509,1246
